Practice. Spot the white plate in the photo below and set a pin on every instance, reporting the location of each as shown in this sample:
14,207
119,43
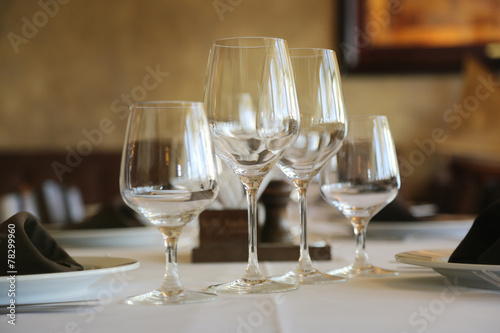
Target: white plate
136,236
400,230
44,287
112,237
458,274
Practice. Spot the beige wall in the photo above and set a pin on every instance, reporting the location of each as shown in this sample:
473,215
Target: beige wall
90,54
86,59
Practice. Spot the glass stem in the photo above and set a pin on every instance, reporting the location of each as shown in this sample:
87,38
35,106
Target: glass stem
361,258
171,283
252,271
304,263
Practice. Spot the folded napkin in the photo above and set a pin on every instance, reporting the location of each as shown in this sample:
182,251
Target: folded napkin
36,252
481,245
115,215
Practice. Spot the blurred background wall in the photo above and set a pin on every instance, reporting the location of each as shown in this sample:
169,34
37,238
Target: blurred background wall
70,68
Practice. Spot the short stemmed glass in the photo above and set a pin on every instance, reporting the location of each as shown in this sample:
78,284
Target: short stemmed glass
322,131
359,181
253,113
168,174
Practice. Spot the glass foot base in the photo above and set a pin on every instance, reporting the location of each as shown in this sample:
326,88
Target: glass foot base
246,286
308,277
157,297
354,271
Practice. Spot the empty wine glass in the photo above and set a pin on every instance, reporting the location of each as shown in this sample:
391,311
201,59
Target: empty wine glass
168,174
252,109
360,180
322,131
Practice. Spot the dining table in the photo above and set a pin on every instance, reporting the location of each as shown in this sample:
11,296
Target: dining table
417,300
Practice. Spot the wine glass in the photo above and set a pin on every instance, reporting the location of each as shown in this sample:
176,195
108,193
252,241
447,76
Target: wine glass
168,174
322,131
359,181
253,113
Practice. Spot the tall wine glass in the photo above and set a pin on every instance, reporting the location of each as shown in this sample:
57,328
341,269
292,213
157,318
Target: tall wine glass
322,131
252,109
168,174
360,180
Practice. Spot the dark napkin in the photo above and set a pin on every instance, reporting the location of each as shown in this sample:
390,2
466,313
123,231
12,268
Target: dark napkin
481,245
36,252
114,215
396,211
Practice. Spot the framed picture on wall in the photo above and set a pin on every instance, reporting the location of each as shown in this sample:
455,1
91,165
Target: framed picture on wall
417,35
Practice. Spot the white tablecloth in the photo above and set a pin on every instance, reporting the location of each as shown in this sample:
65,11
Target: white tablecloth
419,300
